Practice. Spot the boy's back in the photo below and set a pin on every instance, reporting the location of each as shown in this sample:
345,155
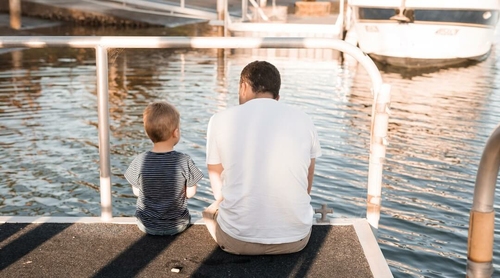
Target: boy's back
161,179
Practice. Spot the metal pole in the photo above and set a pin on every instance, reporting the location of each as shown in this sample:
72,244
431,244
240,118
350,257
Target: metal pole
482,214
378,142
15,14
103,121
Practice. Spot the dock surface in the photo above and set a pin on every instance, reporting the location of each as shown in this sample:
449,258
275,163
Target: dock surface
122,250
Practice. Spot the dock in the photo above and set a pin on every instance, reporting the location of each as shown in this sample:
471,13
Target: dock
86,248
107,13
286,19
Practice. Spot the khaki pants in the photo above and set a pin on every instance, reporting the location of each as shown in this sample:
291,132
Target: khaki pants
238,247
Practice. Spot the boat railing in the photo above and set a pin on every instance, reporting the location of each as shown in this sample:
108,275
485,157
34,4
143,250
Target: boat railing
482,214
381,91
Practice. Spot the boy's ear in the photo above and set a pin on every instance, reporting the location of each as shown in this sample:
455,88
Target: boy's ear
176,133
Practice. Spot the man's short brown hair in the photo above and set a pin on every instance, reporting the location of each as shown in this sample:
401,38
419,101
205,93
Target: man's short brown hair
263,77
160,120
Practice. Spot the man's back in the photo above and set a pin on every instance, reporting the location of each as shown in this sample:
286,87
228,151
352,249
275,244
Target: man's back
265,148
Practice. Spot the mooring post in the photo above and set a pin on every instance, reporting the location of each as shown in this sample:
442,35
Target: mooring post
103,127
221,16
482,214
15,14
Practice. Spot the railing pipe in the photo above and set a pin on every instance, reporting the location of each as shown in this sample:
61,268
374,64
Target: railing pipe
101,44
103,125
197,42
378,143
482,214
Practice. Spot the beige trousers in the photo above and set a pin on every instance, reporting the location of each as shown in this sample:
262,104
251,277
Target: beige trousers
238,247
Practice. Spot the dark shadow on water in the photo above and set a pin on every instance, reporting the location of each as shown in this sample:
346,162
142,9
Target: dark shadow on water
409,73
222,264
26,242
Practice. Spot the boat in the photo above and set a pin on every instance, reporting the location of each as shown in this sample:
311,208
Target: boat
423,33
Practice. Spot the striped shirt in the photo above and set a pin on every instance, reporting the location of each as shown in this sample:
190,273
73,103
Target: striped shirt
161,179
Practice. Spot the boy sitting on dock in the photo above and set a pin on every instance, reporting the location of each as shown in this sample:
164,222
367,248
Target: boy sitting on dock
163,179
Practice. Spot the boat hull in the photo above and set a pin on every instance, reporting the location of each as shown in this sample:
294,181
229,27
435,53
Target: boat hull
423,45
439,34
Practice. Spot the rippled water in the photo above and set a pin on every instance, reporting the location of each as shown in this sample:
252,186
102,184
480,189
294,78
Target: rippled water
440,121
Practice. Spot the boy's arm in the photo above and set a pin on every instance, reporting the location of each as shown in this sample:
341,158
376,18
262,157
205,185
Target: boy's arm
214,174
193,176
132,176
190,191
135,190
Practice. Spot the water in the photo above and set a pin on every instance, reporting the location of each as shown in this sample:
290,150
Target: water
439,124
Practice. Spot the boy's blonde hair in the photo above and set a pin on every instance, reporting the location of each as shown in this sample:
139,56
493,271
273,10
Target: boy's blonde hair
160,120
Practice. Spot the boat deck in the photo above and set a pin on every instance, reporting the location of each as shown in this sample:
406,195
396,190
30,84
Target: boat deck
122,250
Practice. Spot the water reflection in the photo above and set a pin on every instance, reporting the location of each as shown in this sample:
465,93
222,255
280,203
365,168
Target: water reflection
435,142
439,123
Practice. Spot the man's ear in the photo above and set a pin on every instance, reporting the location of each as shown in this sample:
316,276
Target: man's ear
278,97
243,89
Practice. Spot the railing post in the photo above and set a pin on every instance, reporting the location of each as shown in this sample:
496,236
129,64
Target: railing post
378,142
482,214
15,14
103,123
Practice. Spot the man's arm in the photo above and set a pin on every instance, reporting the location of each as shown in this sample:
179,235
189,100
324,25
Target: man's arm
214,174
310,175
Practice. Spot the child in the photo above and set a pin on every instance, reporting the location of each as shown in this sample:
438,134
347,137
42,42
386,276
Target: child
162,178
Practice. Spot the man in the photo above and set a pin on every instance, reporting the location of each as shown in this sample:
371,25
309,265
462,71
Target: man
261,156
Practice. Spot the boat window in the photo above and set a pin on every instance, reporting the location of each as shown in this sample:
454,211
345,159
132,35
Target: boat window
458,16
480,17
375,14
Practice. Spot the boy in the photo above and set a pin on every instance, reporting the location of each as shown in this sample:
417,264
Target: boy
162,178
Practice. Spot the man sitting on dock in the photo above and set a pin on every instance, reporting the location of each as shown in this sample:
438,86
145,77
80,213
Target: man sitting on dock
261,156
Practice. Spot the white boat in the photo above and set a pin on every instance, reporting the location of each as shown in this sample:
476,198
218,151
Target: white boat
424,33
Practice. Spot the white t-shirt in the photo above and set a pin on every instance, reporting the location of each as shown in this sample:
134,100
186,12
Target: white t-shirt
265,148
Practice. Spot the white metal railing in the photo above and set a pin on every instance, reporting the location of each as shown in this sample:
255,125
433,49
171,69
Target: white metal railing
381,92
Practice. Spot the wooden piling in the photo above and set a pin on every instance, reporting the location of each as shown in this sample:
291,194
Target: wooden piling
15,14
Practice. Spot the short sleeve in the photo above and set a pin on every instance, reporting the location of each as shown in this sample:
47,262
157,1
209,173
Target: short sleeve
315,147
133,172
212,150
193,175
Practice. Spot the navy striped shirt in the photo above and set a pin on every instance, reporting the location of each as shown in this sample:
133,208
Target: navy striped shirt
161,179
